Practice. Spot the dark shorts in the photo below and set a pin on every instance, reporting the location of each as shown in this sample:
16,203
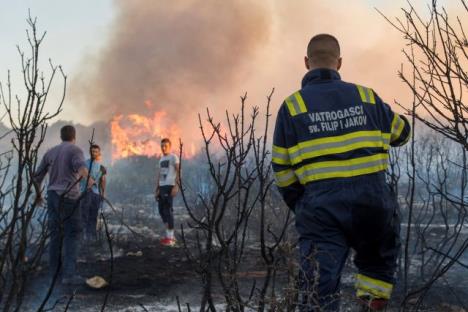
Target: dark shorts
165,205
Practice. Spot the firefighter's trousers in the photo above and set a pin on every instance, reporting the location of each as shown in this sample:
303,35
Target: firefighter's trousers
335,215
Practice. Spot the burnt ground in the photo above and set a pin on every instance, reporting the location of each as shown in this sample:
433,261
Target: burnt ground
151,280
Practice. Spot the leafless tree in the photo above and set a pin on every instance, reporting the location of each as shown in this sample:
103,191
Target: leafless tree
437,57
23,229
238,218
434,171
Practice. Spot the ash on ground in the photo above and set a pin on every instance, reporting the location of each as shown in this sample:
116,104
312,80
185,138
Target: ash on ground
147,276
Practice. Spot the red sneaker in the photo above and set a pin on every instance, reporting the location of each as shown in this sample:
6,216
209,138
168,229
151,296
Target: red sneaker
373,304
166,241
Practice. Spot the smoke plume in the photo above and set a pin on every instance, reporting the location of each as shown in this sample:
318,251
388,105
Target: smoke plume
172,56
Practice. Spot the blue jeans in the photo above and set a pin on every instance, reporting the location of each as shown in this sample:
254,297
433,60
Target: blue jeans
89,205
64,222
335,215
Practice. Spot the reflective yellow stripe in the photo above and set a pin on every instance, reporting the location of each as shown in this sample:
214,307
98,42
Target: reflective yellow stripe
400,128
295,156
362,93
371,96
372,287
291,108
366,94
343,149
280,161
394,121
341,138
338,144
300,101
285,178
407,138
280,155
342,168
397,126
296,104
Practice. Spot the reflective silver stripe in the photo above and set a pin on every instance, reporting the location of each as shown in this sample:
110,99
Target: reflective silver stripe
280,156
325,146
366,93
399,121
362,93
294,155
294,102
369,286
280,159
285,177
314,171
386,140
397,124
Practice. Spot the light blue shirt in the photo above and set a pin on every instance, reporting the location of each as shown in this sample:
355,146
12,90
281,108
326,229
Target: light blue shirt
96,173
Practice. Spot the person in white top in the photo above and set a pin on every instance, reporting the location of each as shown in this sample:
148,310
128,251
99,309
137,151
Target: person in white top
167,186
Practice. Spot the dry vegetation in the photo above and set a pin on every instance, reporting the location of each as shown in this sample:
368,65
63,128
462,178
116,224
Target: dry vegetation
237,244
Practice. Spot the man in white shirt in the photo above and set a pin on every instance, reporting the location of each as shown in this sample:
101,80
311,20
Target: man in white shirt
167,188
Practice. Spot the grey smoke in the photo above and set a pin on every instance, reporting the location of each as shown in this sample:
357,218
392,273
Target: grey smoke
175,53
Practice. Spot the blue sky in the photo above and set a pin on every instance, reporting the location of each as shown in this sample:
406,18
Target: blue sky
75,29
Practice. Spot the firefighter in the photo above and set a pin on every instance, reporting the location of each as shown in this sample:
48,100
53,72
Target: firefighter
330,153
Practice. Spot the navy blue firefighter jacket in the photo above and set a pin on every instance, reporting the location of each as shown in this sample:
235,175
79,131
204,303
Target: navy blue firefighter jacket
331,129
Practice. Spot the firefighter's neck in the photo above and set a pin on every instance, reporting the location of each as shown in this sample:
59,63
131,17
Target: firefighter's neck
334,68
312,65
323,67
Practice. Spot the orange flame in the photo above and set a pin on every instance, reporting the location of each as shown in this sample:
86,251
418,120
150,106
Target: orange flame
139,135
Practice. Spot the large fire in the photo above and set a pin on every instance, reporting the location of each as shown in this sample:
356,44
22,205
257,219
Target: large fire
140,135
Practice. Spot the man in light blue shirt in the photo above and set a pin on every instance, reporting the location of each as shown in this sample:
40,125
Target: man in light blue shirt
92,198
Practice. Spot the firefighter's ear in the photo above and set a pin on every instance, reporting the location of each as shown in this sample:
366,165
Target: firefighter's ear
339,63
306,61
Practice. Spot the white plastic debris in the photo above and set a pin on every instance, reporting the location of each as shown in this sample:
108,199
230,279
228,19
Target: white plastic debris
96,282
139,253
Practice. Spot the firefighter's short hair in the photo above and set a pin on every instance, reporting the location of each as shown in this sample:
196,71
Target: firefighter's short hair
323,49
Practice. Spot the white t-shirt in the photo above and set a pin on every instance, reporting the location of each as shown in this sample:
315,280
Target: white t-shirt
167,169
